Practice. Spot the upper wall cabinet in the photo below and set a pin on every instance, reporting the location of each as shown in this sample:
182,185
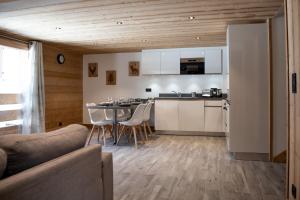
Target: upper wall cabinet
151,62
213,61
192,53
167,61
170,61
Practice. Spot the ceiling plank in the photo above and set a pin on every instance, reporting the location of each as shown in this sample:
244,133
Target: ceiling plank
93,25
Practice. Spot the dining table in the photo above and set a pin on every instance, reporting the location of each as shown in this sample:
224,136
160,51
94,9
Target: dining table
115,107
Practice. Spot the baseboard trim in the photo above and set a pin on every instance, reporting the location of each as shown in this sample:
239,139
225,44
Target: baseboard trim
280,158
191,133
250,156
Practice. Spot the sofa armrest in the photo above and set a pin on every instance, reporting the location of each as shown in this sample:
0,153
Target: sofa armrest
107,175
74,176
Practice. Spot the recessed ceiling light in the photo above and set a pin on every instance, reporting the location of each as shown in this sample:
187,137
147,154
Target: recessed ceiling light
198,38
119,22
191,17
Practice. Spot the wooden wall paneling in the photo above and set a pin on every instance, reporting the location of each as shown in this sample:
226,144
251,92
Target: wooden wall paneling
12,43
63,88
91,26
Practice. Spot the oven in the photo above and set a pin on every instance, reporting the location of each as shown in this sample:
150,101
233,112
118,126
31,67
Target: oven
192,66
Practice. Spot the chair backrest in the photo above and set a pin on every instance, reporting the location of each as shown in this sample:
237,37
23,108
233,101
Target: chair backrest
127,112
95,114
138,113
108,114
147,111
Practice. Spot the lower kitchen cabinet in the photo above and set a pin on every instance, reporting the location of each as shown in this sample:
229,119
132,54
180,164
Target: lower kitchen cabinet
191,115
166,115
213,119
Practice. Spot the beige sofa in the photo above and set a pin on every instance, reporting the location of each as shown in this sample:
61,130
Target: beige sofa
54,166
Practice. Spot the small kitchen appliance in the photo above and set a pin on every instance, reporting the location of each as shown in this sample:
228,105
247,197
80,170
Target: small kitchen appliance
194,94
192,66
206,93
215,92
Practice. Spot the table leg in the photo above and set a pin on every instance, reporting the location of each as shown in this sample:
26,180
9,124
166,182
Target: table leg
114,129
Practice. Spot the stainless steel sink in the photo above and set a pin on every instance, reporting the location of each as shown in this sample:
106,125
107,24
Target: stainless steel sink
178,95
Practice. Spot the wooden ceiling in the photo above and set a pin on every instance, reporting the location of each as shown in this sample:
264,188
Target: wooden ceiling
130,25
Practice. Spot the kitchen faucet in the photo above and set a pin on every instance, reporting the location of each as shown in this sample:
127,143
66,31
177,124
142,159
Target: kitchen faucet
177,93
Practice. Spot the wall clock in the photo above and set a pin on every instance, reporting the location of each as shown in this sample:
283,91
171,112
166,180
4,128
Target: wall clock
60,58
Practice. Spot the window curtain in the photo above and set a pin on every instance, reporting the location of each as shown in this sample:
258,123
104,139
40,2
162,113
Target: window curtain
33,96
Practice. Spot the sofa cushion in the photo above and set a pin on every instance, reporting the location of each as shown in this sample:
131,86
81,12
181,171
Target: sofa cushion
26,151
3,160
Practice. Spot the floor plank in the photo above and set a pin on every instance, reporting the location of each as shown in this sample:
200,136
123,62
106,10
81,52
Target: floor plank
191,168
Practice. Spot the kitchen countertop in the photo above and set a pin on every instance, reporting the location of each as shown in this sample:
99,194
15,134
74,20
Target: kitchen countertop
186,97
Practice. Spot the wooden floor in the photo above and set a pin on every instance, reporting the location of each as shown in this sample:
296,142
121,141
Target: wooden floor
191,168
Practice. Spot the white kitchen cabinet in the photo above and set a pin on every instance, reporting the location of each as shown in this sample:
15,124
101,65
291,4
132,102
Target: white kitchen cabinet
150,62
213,61
186,115
170,62
191,115
167,61
213,119
213,103
249,71
166,115
192,53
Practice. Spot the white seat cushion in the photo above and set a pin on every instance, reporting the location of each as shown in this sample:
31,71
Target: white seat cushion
131,123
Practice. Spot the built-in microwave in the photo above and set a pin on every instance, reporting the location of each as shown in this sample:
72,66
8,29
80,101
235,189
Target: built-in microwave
192,66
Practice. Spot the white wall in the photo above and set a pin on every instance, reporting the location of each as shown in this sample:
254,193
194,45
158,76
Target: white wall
96,90
279,86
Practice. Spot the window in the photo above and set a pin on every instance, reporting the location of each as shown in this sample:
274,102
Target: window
12,72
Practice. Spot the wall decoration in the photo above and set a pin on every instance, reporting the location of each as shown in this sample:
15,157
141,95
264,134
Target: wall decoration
111,77
93,69
134,68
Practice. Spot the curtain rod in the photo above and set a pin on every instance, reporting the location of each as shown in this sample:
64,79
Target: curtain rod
14,39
